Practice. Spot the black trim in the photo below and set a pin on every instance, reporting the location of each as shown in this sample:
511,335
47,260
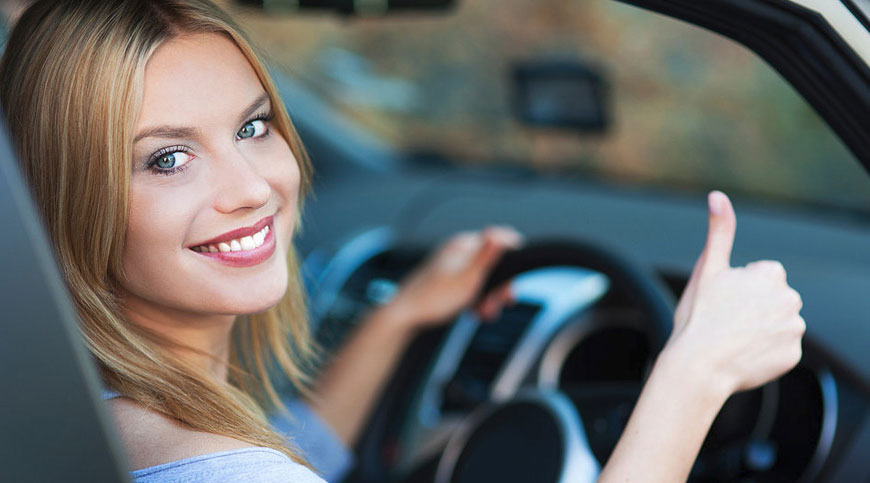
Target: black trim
860,9
802,47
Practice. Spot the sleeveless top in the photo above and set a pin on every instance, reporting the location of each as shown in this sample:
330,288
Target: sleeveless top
311,436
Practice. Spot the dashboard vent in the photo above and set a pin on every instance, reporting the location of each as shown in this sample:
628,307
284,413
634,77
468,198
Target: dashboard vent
368,285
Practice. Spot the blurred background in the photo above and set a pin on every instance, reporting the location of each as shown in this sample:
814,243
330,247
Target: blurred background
684,108
676,107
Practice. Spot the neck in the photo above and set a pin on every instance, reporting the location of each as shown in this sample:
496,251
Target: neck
203,339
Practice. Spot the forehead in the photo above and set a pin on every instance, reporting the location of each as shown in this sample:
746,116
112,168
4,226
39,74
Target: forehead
191,79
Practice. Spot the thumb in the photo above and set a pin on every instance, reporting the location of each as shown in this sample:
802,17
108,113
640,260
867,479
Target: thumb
720,236
716,256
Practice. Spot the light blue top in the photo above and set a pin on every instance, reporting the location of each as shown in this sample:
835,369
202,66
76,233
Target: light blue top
317,442
260,465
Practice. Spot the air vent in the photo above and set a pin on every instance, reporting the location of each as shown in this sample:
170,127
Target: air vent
370,283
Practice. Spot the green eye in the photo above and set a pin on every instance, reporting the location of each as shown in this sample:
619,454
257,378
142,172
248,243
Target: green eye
252,129
171,160
166,161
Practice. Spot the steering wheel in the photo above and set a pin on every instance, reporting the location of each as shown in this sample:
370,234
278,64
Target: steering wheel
504,428
640,287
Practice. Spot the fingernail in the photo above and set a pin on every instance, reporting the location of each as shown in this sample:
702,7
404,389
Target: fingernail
510,236
715,202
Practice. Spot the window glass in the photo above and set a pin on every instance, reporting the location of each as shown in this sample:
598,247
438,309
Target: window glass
688,109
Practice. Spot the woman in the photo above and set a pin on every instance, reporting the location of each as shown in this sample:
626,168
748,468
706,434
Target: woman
170,177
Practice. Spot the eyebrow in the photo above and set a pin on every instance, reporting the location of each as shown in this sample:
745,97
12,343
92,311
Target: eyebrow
166,131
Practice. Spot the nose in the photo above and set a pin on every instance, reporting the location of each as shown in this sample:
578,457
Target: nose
238,183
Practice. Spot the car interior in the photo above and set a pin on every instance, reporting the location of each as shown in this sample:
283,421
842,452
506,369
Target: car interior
595,128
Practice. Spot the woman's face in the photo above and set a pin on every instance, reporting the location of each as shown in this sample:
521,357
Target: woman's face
213,189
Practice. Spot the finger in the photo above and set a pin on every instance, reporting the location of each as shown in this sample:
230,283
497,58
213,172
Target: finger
459,251
503,295
799,325
716,256
488,310
773,268
496,240
492,305
508,235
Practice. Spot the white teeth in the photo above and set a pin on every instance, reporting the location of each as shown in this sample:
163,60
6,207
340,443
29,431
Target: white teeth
245,243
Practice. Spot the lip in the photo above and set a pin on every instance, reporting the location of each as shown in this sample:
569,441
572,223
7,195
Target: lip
244,258
238,233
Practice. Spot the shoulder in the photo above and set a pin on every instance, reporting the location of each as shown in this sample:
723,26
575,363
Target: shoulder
260,465
152,439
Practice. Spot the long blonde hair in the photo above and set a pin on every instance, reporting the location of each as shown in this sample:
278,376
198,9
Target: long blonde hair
71,85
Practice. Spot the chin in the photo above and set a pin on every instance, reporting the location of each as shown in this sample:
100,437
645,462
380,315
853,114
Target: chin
254,293
252,300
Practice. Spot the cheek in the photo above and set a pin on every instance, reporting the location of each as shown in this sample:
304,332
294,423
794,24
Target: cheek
288,175
154,238
285,178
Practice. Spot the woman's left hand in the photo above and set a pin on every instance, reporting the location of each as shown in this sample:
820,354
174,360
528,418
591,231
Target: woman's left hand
450,279
447,282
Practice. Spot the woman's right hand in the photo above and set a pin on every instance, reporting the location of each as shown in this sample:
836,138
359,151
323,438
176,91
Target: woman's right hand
734,329
739,326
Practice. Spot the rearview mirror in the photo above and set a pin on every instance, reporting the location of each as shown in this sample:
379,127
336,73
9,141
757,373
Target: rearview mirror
349,7
562,94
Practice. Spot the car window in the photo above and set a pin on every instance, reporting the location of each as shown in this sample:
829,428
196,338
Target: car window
689,109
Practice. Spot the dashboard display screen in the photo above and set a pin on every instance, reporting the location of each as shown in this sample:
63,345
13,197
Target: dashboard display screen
486,356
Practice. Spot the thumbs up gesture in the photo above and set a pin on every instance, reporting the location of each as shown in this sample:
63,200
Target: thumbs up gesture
742,325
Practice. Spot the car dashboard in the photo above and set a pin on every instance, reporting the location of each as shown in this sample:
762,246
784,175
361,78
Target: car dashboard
570,330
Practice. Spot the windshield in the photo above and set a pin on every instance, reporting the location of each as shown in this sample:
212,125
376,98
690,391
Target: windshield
686,108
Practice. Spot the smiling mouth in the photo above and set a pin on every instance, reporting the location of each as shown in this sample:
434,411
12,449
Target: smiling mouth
244,243
243,247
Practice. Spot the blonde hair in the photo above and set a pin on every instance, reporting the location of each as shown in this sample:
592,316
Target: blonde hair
71,85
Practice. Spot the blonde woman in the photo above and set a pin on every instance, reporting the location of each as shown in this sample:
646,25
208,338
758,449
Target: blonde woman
170,177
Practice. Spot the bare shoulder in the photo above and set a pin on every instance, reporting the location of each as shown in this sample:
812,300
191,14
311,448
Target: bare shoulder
150,439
